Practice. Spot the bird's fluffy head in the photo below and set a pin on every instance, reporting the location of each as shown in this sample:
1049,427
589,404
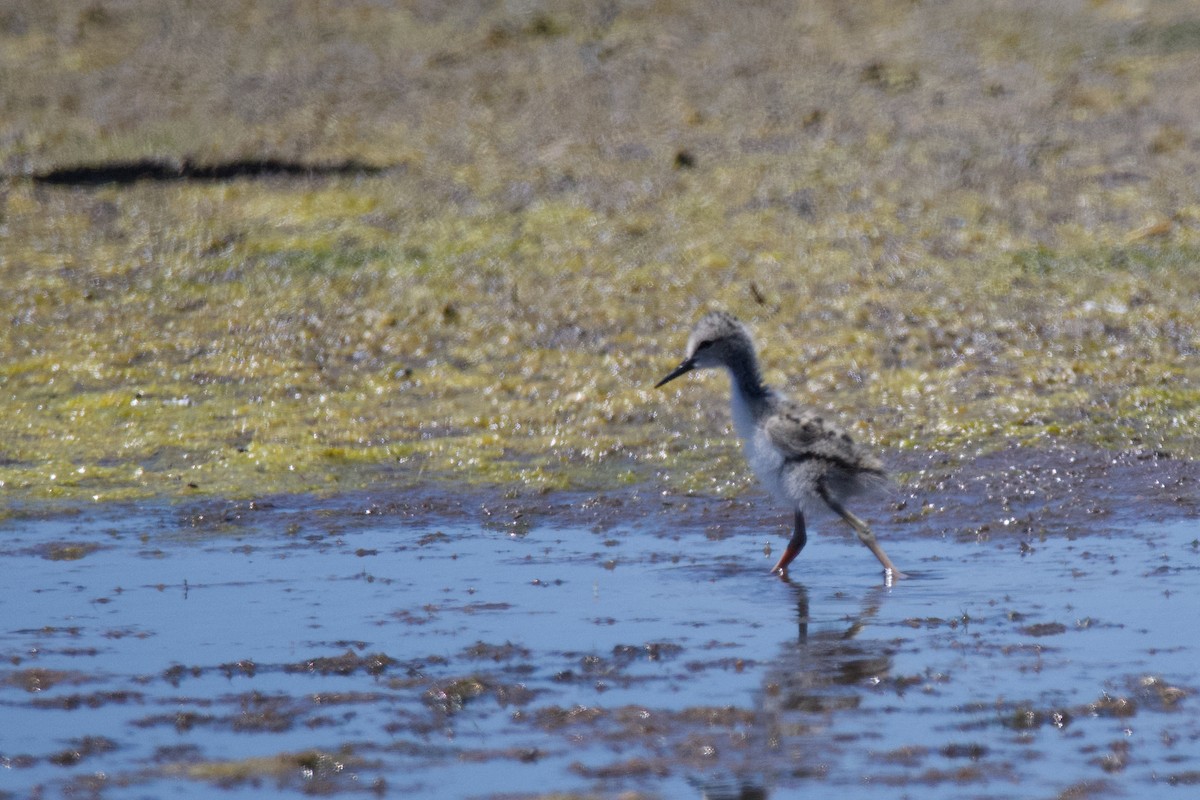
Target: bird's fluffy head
718,338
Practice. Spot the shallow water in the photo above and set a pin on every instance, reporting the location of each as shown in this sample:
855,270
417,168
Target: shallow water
157,652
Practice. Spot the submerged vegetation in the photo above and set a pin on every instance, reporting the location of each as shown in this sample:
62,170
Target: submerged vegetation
965,228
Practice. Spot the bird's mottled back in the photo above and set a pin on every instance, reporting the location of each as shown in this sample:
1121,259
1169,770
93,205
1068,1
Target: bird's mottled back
817,455
800,433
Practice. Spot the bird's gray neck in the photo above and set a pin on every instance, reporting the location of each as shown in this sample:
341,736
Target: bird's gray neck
747,379
750,395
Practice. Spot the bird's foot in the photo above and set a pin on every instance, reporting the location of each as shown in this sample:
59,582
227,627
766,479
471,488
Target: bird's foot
789,555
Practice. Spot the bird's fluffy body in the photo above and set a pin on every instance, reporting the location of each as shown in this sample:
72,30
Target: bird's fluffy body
791,449
798,455
816,453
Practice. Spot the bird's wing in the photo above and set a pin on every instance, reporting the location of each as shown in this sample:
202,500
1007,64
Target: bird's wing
802,434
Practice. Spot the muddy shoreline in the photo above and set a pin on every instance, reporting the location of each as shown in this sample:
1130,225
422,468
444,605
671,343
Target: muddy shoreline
1011,491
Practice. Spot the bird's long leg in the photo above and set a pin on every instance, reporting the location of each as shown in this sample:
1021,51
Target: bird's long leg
863,530
794,545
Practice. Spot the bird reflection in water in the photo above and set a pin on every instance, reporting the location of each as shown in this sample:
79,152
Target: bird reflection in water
823,669
822,673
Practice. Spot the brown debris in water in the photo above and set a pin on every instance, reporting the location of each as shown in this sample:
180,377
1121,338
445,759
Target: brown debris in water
652,651
346,664
266,713
94,700
552,718
244,667
1158,694
1109,706
175,673
633,767
972,751
450,698
908,756
81,749
320,772
1025,718
67,551
1085,789
482,651
38,679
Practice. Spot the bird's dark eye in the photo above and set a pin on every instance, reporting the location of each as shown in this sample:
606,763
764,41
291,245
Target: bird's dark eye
703,345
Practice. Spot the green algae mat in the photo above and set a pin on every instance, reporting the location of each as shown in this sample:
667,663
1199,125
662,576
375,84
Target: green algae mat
253,248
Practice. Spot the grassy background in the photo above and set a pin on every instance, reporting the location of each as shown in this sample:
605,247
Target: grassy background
963,224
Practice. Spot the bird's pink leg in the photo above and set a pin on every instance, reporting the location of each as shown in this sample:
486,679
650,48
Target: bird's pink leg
868,538
865,535
794,545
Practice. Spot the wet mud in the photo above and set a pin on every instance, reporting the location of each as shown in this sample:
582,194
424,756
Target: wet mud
630,645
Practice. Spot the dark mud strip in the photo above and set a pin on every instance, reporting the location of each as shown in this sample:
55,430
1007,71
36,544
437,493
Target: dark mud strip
127,172
462,646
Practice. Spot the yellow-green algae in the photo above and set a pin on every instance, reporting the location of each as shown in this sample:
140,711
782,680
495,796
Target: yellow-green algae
961,246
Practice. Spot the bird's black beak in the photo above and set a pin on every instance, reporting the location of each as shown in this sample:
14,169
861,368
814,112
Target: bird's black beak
685,367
